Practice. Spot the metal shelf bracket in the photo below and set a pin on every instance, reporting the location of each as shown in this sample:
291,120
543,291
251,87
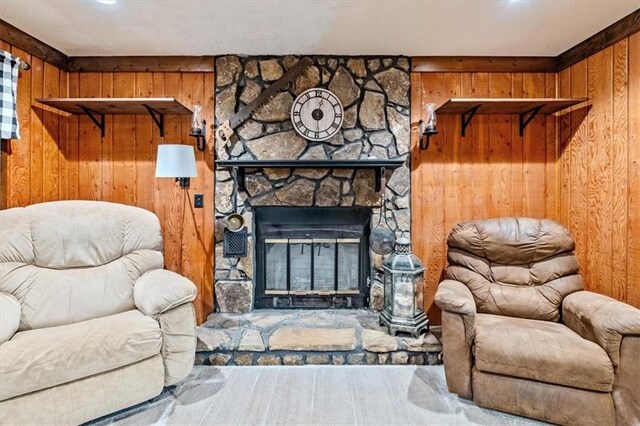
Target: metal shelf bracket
239,175
158,118
93,115
466,118
379,175
525,120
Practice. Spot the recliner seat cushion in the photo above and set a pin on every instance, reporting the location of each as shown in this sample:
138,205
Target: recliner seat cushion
540,350
38,359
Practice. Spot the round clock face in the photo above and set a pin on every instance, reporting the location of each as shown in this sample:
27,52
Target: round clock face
317,114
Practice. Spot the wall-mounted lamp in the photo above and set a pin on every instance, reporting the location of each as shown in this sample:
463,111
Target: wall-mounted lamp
428,127
176,161
198,127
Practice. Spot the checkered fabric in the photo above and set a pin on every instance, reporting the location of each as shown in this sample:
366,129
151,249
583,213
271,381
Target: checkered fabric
9,126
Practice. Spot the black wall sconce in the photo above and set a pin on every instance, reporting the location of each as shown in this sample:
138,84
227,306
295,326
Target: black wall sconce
428,128
198,128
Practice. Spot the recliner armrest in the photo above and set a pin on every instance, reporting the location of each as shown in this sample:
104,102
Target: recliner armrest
601,319
160,290
453,296
10,311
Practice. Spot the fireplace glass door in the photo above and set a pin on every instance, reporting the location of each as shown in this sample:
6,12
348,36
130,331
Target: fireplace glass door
312,257
321,266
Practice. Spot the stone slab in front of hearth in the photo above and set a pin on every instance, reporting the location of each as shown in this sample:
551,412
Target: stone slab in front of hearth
299,337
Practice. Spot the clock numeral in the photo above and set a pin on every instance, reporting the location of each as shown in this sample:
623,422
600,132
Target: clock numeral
334,125
298,123
338,115
319,93
317,135
296,113
307,95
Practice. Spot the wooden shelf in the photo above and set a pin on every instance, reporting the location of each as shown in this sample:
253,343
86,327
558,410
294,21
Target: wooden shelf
97,108
119,106
378,166
506,105
526,108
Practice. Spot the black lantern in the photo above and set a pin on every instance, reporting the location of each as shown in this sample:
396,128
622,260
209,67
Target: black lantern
403,292
428,127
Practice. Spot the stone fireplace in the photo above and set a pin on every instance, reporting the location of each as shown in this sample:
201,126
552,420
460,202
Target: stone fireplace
374,92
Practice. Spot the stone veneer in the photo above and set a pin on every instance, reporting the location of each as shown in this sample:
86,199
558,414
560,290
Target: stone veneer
374,92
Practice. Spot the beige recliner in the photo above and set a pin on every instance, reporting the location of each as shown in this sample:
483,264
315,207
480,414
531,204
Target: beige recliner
90,323
521,335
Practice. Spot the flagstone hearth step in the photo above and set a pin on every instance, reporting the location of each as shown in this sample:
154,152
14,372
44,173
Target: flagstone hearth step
299,337
313,339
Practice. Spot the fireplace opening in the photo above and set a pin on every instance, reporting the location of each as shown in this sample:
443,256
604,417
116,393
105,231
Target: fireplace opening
312,257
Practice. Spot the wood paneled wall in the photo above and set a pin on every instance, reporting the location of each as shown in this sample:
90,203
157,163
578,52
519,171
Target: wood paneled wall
599,168
63,157
492,172
581,168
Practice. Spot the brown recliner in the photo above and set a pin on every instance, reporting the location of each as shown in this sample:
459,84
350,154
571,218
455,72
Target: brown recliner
521,335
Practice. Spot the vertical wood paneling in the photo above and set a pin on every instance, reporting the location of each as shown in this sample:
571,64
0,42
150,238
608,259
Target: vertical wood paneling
63,156
619,172
18,164
90,143
633,173
37,116
600,156
575,169
50,137
599,219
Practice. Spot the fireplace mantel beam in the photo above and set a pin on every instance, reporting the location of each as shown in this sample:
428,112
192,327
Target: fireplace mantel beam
378,166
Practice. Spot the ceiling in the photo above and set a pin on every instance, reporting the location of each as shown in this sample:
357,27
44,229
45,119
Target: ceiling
346,27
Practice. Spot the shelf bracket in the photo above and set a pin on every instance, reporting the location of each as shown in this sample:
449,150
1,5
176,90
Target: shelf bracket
239,175
524,122
466,118
158,118
93,115
379,175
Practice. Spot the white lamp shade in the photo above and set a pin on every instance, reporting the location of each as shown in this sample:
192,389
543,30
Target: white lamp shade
176,161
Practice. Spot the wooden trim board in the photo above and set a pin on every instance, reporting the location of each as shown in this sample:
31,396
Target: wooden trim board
141,63
483,64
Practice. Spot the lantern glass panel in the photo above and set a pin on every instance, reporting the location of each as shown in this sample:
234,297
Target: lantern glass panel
403,298
418,284
388,290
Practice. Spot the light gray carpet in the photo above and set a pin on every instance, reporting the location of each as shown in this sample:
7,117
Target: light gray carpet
313,395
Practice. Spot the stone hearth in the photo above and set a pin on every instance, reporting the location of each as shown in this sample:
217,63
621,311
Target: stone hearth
374,92
299,337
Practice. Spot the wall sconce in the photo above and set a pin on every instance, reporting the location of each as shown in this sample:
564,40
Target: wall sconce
176,161
198,127
428,127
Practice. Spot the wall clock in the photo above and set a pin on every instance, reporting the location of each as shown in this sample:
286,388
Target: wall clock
317,114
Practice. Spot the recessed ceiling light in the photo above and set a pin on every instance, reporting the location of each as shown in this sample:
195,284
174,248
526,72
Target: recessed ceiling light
106,1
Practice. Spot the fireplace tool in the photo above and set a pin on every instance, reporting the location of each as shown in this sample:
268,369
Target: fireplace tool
235,233
383,239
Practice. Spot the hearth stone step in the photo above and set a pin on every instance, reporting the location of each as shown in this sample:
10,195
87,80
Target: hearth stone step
300,337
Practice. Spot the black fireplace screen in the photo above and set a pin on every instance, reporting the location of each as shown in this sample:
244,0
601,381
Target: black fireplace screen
312,257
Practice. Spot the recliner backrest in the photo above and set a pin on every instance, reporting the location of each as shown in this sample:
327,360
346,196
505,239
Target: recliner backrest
69,261
517,267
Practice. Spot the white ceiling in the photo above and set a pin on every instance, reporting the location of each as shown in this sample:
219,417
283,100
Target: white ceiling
349,27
